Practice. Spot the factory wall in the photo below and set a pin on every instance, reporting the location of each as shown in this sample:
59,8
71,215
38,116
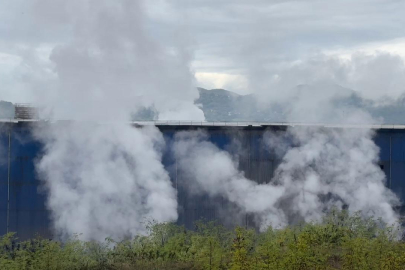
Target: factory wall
23,198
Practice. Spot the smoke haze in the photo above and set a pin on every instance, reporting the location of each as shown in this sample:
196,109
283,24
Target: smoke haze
321,169
332,168
376,77
106,180
213,171
324,168
115,67
105,60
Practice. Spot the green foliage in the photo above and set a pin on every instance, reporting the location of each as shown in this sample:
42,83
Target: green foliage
242,248
340,241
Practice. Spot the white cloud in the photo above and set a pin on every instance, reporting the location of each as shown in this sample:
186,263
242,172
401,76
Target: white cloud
395,46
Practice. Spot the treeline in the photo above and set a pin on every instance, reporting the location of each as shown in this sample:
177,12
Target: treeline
339,242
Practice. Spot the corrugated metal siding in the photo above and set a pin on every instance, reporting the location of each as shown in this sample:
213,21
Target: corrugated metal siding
392,158
28,214
3,178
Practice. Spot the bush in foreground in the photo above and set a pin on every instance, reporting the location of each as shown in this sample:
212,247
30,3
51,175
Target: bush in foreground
339,242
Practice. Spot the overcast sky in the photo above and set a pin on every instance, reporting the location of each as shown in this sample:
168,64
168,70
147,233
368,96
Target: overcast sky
234,44
235,38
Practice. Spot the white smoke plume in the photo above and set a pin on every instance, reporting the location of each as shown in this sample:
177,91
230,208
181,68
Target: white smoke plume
323,169
104,180
333,167
210,170
320,168
111,65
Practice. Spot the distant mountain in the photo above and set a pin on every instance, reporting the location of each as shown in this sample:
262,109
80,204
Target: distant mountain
223,105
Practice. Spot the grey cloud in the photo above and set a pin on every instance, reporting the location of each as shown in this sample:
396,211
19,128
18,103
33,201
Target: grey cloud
252,38
253,33
378,77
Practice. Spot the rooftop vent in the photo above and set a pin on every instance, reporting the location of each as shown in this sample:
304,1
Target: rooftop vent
25,111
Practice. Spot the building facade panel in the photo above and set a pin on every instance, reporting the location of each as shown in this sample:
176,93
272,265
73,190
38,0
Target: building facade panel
28,215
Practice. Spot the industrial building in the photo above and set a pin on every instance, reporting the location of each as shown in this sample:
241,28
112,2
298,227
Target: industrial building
23,201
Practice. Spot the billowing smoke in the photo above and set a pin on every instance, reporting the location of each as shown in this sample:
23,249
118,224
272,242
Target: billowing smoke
210,170
111,65
332,167
104,180
320,169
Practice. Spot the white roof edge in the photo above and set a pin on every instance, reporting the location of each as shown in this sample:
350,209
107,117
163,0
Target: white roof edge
230,124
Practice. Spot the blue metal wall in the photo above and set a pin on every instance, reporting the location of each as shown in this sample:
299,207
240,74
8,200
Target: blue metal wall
392,157
24,203
3,178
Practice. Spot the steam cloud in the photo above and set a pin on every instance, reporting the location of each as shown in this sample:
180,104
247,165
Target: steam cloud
112,67
323,167
326,168
213,171
104,180
333,167
320,168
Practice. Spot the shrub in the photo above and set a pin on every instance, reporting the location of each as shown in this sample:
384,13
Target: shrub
340,241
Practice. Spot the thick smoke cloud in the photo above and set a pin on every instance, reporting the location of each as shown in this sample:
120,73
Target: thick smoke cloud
114,66
333,167
321,170
105,180
327,168
212,171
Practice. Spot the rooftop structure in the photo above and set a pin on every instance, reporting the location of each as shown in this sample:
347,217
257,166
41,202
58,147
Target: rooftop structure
25,111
